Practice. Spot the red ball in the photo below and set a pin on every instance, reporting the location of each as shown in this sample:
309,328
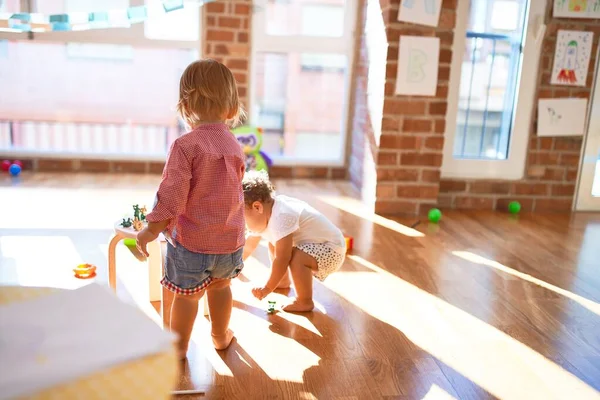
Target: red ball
19,163
6,165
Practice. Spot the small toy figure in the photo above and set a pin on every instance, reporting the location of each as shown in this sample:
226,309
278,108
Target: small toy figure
127,223
139,213
271,308
138,225
250,138
85,271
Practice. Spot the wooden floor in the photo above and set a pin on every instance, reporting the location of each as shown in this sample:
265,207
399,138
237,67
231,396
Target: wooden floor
480,306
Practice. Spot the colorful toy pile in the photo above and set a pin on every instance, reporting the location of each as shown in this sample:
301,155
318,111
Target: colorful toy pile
14,168
251,140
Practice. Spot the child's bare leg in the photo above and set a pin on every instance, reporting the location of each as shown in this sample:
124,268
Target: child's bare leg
302,266
183,314
285,282
220,303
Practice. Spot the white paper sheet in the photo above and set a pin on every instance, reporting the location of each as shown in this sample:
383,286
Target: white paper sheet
561,117
61,337
422,12
572,58
418,61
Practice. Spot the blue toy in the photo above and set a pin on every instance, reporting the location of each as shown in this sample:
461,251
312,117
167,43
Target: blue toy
14,170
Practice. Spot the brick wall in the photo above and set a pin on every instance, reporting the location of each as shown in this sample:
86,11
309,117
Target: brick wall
412,137
552,163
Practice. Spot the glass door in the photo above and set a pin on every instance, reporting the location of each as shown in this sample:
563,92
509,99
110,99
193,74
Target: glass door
588,193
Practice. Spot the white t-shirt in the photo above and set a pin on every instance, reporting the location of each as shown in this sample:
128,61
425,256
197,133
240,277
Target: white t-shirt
307,225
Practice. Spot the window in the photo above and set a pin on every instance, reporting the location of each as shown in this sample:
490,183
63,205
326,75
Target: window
301,66
492,88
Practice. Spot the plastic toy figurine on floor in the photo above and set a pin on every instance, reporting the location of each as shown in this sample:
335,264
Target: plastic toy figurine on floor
250,138
85,271
271,308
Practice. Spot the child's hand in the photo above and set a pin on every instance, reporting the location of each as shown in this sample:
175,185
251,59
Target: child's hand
144,237
261,293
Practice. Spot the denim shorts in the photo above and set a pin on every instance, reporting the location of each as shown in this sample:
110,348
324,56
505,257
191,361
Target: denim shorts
187,272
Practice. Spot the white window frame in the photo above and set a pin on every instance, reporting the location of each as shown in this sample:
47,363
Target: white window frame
513,167
263,42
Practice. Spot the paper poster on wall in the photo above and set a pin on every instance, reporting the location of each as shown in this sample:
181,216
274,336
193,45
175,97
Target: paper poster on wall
561,117
418,59
422,12
576,8
572,58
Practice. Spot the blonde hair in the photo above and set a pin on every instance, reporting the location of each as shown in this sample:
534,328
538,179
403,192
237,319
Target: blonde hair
208,92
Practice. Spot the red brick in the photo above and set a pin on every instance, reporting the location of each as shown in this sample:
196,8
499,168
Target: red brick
396,207
572,175
438,108
447,186
238,64
474,203
446,38
445,201
447,19
399,142
404,107
241,91
389,124
442,91
419,192
554,174
386,190
391,70
536,171
156,167
242,9
94,166
403,174
417,125
221,49
219,35
430,175
489,187
215,7
553,205
563,190
440,126
526,204
55,165
338,173
436,142
211,21
445,56
279,171
443,73
530,188
242,37
310,172
545,143
386,158
569,159
423,159
240,77
533,143
450,4
230,22
544,158
135,167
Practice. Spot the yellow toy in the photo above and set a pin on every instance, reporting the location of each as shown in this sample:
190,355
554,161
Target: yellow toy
349,243
85,271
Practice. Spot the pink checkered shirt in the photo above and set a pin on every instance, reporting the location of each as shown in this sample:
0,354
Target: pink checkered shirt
201,191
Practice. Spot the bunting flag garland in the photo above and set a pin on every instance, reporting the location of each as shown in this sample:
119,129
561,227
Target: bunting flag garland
79,21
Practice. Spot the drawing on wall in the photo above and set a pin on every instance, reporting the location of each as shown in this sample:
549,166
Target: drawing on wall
577,8
423,12
561,117
572,58
418,59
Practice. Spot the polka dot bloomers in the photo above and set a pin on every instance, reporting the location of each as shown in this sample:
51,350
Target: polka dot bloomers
328,260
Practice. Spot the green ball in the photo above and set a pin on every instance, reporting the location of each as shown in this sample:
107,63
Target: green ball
434,215
514,207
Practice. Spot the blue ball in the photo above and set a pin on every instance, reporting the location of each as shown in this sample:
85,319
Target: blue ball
14,170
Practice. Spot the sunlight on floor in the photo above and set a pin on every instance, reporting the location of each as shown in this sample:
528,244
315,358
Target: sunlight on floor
46,261
437,393
477,259
357,208
487,356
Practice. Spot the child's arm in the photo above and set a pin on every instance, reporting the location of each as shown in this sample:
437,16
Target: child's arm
171,197
279,265
251,245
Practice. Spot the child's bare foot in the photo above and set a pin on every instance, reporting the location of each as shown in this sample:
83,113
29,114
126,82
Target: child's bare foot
222,342
300,306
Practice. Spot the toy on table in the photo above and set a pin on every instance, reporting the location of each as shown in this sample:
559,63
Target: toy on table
349,243
514,207
85,271
250,138
131,244
271,308
434,215
139,217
